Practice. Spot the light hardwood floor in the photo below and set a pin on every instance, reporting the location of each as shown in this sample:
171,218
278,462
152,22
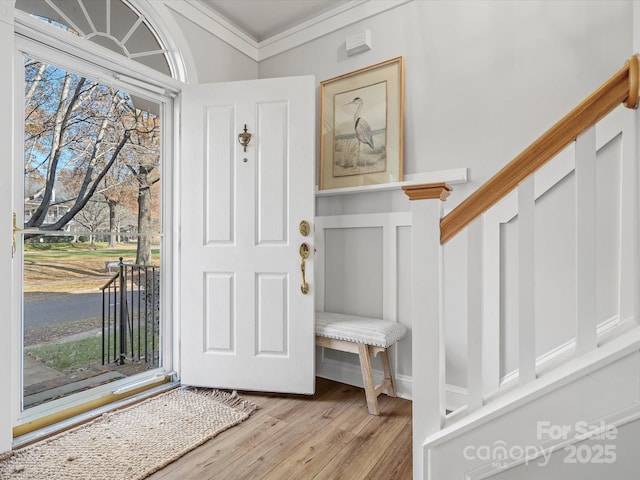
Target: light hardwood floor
329,435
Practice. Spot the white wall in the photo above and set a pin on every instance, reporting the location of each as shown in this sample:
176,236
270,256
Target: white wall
483,79
213,60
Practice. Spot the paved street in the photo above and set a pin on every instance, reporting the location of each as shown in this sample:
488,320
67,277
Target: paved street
51,308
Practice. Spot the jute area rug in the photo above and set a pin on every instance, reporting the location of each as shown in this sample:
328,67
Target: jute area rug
131,443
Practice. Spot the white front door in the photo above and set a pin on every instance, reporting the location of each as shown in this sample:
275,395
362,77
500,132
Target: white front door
245,322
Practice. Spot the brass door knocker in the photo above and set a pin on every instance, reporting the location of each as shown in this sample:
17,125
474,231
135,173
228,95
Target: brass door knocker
244,138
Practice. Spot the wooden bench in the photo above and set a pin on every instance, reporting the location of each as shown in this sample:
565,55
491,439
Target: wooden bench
367,337
108,266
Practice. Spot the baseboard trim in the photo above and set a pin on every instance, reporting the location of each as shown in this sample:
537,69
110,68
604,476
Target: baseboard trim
350,374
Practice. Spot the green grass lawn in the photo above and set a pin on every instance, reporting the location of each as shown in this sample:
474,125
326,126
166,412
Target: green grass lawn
76,355
69,356
35,251
65,267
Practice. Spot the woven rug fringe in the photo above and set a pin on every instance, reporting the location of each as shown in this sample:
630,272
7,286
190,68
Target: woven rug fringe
231,399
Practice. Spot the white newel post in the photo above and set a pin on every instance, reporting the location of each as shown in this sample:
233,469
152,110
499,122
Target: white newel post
427,332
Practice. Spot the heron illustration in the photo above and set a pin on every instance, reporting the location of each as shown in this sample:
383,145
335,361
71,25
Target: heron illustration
361,126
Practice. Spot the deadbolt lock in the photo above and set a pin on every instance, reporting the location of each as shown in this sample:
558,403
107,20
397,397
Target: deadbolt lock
305,228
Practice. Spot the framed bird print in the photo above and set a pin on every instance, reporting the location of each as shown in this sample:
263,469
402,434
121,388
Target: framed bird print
361,127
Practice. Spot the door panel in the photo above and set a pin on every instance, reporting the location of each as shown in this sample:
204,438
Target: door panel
218,165
273,170
273,317
218,320
245,322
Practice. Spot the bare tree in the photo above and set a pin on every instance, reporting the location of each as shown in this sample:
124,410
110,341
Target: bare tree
73,124
68,120
118,190
93,218
144,167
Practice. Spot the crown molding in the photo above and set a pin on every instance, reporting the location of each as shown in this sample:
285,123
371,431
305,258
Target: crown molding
342,16
216,24
346,14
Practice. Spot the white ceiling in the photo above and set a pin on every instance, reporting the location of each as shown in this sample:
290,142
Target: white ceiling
261,19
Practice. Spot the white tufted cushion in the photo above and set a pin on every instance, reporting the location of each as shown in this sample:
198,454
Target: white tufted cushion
371,331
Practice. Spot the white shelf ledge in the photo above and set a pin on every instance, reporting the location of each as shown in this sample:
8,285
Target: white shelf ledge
452,177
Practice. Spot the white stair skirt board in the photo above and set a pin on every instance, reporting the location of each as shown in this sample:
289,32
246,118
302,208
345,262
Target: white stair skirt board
604,384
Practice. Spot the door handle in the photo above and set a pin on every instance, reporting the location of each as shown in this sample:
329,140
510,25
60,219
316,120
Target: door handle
304,254
15,229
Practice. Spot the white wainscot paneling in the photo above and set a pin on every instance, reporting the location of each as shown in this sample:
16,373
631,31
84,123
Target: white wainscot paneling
555,257
357,272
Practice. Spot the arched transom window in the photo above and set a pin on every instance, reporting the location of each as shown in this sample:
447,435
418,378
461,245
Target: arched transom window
113,24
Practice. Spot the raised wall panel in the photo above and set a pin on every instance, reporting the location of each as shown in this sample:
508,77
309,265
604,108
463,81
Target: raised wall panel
609,170
219,312
219,188
273,171
354,276
555,266
273,313
403,360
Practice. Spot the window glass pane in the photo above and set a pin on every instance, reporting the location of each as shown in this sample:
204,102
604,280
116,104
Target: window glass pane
112,24
92,157
91,258
86,325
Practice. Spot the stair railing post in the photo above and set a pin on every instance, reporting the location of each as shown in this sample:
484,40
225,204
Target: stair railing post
427,317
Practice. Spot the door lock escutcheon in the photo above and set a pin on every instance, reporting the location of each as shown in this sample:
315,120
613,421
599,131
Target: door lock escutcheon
305,228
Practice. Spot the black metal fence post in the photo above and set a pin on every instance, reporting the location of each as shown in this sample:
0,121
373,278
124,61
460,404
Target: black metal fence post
139,316
123,313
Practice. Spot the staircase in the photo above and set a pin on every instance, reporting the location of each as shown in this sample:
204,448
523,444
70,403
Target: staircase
553,337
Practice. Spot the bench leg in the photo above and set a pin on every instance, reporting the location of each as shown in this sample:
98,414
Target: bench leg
388,374
367,377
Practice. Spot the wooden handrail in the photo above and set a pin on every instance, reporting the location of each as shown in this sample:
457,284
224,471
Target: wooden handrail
621,87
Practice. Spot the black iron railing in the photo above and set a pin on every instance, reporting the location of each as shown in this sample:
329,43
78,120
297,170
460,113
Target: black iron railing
131,315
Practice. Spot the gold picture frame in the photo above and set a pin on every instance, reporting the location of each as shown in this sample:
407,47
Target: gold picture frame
361,127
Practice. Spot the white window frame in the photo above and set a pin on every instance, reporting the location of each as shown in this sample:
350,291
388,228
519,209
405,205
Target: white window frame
50,44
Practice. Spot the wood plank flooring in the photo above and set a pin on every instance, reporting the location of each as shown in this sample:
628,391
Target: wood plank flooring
329,435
